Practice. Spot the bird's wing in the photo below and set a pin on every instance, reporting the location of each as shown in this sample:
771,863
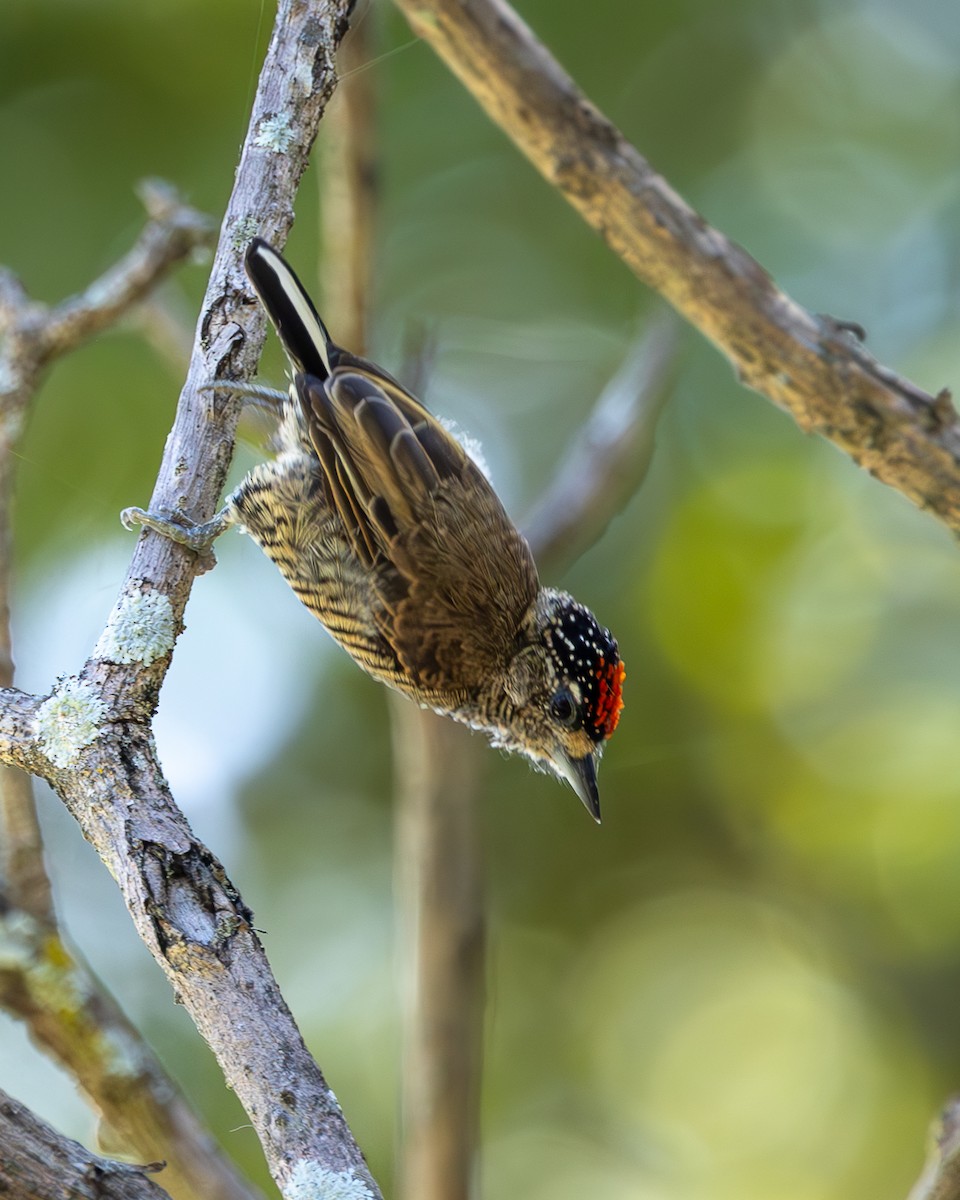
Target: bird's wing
454,575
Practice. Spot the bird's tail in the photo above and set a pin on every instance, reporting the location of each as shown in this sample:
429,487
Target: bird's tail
303,334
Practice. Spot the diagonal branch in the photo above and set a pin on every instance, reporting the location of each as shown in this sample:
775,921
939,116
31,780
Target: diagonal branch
66,1009
806,364
92,740
39,1164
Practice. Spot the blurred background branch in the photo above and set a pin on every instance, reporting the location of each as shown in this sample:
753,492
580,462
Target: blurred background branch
437,856
809,365
439,842
349,169
609,457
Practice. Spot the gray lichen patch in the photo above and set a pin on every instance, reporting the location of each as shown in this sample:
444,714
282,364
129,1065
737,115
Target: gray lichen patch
310,1180
69,720
275,133
140,629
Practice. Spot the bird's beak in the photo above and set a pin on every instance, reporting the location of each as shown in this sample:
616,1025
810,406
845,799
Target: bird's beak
581,774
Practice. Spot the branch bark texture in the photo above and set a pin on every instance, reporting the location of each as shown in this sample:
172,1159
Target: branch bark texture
804,363
67,1010
185,908
106,771
36,1163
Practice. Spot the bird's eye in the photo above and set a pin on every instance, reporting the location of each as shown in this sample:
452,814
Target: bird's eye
563,708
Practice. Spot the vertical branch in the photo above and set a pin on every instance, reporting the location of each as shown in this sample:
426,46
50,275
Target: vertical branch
940,1178
440,888
348,205
439,880
439,856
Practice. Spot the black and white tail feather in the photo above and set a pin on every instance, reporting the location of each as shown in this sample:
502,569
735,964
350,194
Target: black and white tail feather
304,336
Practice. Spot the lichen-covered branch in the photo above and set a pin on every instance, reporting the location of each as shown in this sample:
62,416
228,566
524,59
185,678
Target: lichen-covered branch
91,737
195,924
75,1021
806,364
43,981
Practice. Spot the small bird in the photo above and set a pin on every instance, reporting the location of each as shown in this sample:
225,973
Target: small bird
391,535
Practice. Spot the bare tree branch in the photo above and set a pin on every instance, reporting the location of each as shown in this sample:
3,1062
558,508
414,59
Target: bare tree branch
91,739
36,1163
439,768
37,333
807,364
42,981
34,335
609,456
441,918
71,1016
348,208
440,886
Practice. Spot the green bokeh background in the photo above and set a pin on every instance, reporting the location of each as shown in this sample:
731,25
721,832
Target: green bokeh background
745,983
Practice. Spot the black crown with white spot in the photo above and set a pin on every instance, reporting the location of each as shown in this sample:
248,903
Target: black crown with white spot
588,656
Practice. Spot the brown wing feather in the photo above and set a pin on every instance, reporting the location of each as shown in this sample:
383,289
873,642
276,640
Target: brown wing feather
468,583
454,575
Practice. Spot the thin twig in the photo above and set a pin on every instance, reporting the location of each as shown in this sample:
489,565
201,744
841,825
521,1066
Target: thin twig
806,364
167,330
34,335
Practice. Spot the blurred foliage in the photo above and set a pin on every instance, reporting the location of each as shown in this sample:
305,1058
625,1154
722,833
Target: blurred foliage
744,983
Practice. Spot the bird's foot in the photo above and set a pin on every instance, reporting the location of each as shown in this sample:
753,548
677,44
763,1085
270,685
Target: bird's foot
268,399
198,538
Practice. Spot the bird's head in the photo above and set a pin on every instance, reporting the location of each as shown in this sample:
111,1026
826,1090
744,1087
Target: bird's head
564,686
